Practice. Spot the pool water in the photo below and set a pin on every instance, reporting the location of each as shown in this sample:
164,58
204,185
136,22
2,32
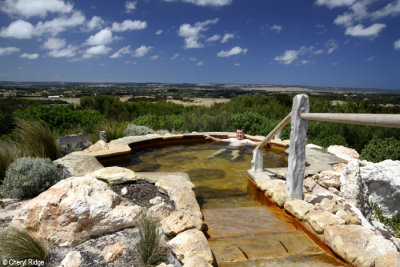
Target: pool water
218,173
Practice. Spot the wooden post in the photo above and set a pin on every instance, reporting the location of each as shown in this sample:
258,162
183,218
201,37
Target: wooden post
297,149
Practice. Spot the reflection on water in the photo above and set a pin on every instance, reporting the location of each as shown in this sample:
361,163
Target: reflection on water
221,180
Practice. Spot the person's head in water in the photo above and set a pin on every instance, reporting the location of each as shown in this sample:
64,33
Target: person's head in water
239,134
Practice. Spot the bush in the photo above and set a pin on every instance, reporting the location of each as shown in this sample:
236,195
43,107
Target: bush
37,140
27,177
19,245
151,250
134,130
9,151
380,149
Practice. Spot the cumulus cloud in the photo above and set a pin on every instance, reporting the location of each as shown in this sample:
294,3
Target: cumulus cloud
69,51
191,34
129,25
130,6
19,29
215,3
276,28
370,32
199,64
29,56
391,9
98,50
331,46
154,57
334,3
226,37
234,51
290,55
236,65
60,24
397,45
103,37
142,51
32,8
319,52
123,51
94,24
54,43
345,19
214,38
4,51
159,32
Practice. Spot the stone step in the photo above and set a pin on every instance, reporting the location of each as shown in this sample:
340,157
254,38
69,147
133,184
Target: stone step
244,222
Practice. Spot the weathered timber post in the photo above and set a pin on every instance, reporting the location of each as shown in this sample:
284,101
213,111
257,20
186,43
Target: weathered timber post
297,149
278,135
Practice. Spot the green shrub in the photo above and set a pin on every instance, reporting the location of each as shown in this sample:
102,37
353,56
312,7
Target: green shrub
391,224
37,140
151,250
27,177
114,130
19,245
134,130
380,149
9,151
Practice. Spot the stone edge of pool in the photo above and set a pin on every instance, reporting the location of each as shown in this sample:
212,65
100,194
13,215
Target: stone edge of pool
341,236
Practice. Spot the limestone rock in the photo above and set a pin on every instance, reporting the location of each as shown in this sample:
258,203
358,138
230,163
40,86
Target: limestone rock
124,191
98,146
156,200
356,244
72,259
309,184
77,165
191,243
179,221
114,175
339,167
160,211
196,262
351,185
298,208
165,265
74,210
328,205
320,220
348,218
390,259
383,182
275,189
344,152
112,253
328,179
396,241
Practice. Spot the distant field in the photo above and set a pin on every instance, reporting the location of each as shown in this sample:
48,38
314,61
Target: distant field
74,100
208,102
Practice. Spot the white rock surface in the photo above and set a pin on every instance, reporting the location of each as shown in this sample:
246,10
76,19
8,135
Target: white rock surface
74,210
328,179
113,252
114,175
77,165
320,220
344,152
72,259
179,221
298,208
351,185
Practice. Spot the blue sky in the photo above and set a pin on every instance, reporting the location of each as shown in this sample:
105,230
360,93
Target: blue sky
344,43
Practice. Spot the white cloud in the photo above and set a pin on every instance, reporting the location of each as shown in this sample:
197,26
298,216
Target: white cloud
334,3
304,62
142,51
206,2
29,56
214,38
276,28
32,8
130,6
345,19
96,51
123,51
331,46
369,59
391,9
94,24
54,43
191,34
199,64
359,30
236,65
154,57
234,51
4,51
19,29
103,37
69,51
193,59
174,56
319,52
159,32
129,25
60,24
290,55
397,45
226,37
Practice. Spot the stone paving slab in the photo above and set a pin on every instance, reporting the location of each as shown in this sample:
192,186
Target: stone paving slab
244,221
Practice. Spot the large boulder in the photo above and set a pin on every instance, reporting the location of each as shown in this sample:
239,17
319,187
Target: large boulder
352,188
328,179
114,175
77,165
74,210
356,244
344,152
382,181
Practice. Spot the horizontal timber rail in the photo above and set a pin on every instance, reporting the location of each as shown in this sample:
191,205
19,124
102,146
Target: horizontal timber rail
279,127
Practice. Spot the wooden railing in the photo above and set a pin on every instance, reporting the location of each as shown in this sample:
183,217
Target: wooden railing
298,138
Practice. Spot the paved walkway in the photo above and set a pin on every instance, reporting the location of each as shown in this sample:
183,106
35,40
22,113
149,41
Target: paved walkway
253,236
